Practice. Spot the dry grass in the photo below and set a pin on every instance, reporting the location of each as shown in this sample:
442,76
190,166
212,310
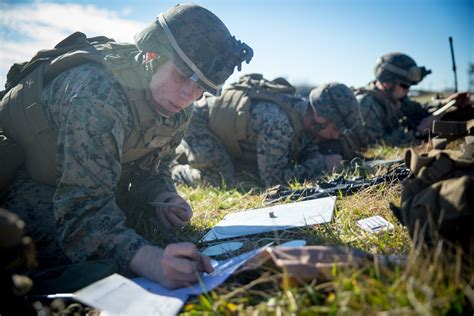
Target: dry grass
429,284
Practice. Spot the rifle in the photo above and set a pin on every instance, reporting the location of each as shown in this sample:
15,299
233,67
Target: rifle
338,186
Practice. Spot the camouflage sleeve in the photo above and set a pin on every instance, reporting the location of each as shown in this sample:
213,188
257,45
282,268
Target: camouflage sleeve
274,135
414,112
92,118
373,117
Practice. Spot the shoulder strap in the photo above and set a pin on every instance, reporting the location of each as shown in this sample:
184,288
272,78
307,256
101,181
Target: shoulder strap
279,91
228,119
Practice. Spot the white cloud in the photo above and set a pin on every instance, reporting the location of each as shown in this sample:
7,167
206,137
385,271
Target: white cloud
27,28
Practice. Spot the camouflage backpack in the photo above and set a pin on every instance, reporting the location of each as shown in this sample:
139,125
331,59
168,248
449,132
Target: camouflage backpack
229,114
438,197
12,155
73,42
25,126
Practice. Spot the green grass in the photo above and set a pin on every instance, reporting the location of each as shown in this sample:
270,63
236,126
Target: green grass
429,284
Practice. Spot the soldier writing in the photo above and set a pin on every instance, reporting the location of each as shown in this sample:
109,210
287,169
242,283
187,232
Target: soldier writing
105,125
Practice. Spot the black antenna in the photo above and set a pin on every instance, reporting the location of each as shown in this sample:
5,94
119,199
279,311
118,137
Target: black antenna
454,64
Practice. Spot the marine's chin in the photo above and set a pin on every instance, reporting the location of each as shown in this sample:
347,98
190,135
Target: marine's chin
163,111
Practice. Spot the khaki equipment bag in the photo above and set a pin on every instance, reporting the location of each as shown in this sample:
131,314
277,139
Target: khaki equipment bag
438,196
34,73
316,263
229,115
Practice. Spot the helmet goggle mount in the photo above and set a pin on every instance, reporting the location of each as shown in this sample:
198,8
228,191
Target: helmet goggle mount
414,75
240,52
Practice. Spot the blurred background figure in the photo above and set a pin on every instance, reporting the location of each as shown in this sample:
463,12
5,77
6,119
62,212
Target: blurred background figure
262,127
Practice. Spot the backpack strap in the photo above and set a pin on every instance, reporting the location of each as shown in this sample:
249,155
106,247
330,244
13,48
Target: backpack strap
230,109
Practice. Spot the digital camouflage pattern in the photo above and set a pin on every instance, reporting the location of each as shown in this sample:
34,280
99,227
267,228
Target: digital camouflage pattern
267,152
387,120
202,37
336,102
229,117
82,218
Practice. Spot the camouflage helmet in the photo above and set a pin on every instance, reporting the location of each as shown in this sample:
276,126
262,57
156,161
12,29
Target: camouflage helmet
198,43
399,67
336,102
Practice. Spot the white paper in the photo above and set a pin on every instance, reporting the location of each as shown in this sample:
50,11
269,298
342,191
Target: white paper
222,271
277,217
375,224
116,295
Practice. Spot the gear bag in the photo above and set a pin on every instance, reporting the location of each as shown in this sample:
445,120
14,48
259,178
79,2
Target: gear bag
229,115
438,197
21,113
73,42
11,153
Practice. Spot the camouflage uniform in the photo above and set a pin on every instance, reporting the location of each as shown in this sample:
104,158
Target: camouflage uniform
80,218
336,102
384,118
270,136
394,121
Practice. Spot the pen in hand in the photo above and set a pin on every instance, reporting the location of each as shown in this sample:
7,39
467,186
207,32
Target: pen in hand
184,263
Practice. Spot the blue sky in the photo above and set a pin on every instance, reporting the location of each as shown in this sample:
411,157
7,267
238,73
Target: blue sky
305,41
